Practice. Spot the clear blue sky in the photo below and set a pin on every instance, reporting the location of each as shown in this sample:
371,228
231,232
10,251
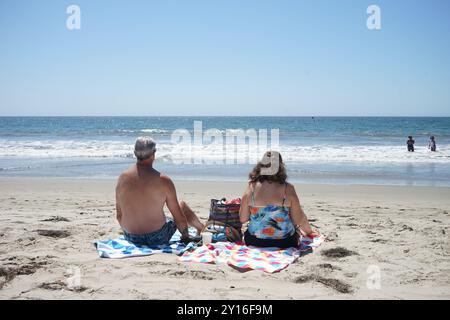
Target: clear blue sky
225,57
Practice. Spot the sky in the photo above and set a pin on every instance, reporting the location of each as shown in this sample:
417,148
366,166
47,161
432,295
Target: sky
225,57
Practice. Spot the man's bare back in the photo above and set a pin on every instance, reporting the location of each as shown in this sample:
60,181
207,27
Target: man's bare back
141,194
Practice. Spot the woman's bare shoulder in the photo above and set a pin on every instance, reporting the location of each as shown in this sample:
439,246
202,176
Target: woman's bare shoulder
248,188
290,189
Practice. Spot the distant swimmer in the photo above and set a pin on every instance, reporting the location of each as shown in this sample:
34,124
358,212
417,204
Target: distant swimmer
410,144
432,144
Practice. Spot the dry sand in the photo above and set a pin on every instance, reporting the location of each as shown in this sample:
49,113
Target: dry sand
48,225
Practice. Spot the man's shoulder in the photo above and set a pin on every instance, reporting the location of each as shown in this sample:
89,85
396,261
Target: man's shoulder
165,178
130,172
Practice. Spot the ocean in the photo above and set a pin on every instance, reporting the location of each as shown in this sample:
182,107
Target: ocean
331,150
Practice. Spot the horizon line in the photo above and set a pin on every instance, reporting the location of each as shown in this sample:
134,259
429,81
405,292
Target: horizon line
235,116
221,116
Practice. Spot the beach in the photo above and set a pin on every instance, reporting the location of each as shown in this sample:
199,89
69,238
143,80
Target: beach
48,226
347,101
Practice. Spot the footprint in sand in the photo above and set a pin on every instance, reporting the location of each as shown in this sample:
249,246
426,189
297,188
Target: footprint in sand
383,241
193,274
351,274
154,263
61,285
338,252
12,270
351,224
335,284
328,266
56,219
406,228
53,233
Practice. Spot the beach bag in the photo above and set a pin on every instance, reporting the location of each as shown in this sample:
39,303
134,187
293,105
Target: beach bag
224,220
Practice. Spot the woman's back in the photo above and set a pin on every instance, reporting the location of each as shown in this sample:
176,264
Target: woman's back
265,193
271,206
269,211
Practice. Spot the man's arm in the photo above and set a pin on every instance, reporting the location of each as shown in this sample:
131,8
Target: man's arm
118,210
174,207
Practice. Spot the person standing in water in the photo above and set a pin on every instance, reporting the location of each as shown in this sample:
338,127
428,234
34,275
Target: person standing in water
410,144
432,144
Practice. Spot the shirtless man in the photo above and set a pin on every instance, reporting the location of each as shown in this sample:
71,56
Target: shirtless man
141,193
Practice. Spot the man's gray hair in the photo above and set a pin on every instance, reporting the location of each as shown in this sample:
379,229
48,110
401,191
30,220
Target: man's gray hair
144,148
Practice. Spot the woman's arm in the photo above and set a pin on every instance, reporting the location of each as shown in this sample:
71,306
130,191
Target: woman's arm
244,211
298,216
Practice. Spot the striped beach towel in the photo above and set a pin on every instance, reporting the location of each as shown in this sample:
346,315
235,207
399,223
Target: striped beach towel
242,257
120,248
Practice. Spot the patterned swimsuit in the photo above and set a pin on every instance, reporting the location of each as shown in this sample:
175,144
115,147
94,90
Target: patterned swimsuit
270,222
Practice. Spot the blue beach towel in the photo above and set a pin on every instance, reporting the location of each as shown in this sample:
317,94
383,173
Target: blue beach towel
120,248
